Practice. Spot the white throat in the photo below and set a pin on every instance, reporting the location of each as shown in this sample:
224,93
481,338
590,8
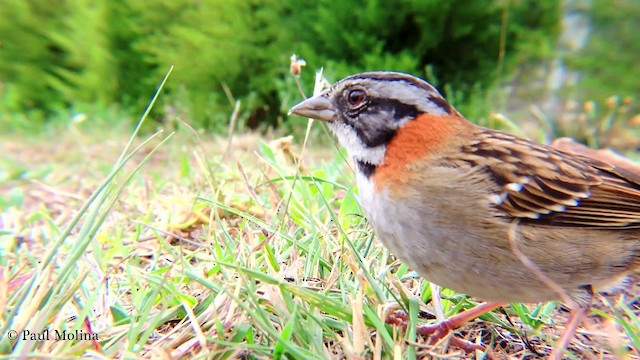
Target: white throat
348,138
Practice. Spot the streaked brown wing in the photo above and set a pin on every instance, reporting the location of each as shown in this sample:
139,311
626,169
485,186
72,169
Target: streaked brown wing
552,187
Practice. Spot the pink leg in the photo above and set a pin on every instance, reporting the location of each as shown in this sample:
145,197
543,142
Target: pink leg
570,330
459,319
439,330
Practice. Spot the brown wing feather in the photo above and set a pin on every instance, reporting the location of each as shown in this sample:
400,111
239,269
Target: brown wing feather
552,187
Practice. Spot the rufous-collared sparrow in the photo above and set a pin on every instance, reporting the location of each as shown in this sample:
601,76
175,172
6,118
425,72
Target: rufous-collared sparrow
477,210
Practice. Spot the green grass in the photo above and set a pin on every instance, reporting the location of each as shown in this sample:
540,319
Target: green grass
178,246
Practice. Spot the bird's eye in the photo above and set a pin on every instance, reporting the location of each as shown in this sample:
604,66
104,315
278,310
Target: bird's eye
356,97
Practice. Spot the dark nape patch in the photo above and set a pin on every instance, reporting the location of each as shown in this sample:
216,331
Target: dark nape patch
366,168
441,103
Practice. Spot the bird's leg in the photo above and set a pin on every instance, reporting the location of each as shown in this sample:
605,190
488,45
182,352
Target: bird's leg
578,311
569,331
439,330
447,325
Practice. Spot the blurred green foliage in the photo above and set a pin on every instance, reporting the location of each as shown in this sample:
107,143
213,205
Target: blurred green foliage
609,61
58,54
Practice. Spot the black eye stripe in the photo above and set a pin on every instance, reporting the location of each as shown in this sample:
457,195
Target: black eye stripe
399,109
378,129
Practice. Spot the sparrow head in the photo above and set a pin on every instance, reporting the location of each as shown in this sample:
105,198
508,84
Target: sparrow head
365,111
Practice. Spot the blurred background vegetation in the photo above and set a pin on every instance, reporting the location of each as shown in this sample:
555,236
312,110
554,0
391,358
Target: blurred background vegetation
97,56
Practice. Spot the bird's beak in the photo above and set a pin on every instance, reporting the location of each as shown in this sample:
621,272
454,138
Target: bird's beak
317,107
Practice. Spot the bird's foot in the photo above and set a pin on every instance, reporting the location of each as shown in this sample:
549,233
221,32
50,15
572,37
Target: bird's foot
435,332
398,318
438,331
